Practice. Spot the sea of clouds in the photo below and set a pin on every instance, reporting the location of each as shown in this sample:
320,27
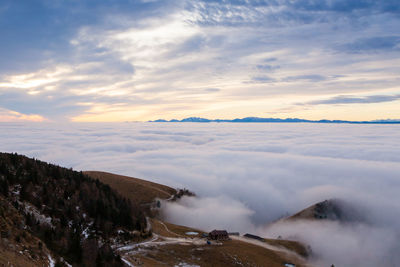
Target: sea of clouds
248,175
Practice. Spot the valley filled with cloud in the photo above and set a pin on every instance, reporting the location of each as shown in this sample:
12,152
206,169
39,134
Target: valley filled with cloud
80,82
247,175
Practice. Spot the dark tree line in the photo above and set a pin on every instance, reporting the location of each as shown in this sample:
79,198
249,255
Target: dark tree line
85,212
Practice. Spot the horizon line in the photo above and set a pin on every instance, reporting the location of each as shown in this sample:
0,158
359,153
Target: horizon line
276,120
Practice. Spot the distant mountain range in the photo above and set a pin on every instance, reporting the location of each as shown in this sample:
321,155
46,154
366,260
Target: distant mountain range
287,120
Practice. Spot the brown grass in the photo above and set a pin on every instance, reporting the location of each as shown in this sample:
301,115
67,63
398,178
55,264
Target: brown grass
289,245
137,190
159,228
306,214
230,253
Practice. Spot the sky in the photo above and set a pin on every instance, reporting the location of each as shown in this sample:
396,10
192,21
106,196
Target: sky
139,60
252,174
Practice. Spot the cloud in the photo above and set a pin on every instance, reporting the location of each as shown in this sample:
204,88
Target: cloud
12,116
212,90
43,36
372,44
262,79
153,56
196,213
343,245
346,99
309,78
267,67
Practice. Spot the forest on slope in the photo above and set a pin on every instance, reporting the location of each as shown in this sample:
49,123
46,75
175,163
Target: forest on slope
77,218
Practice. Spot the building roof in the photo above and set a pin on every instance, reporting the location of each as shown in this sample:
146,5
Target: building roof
219,232
253,236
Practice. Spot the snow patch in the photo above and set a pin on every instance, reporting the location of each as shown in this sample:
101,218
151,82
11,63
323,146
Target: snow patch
127,262
192,233
184,264
43,219
51,261
85,233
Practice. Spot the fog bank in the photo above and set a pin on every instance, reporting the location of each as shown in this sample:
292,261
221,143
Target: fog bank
247,175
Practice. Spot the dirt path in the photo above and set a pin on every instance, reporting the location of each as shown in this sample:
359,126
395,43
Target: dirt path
167,229
156,240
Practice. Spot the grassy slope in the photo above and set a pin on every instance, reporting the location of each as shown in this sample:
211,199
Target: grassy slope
137,190
306,214
288,244
230,253
224,255
172,230
330,209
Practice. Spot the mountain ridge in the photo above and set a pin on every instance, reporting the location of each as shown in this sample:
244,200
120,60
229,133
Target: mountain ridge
278,120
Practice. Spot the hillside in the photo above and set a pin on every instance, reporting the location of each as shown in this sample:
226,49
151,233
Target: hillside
137,190
76,217
332,209
18,246
171,245
53,215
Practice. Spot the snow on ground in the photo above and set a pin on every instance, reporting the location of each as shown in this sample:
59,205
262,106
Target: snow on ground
85,232
160,241
51,261
192,233
184,264
43,219
127,262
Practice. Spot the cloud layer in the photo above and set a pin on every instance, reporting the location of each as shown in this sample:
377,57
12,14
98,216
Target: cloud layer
249,174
